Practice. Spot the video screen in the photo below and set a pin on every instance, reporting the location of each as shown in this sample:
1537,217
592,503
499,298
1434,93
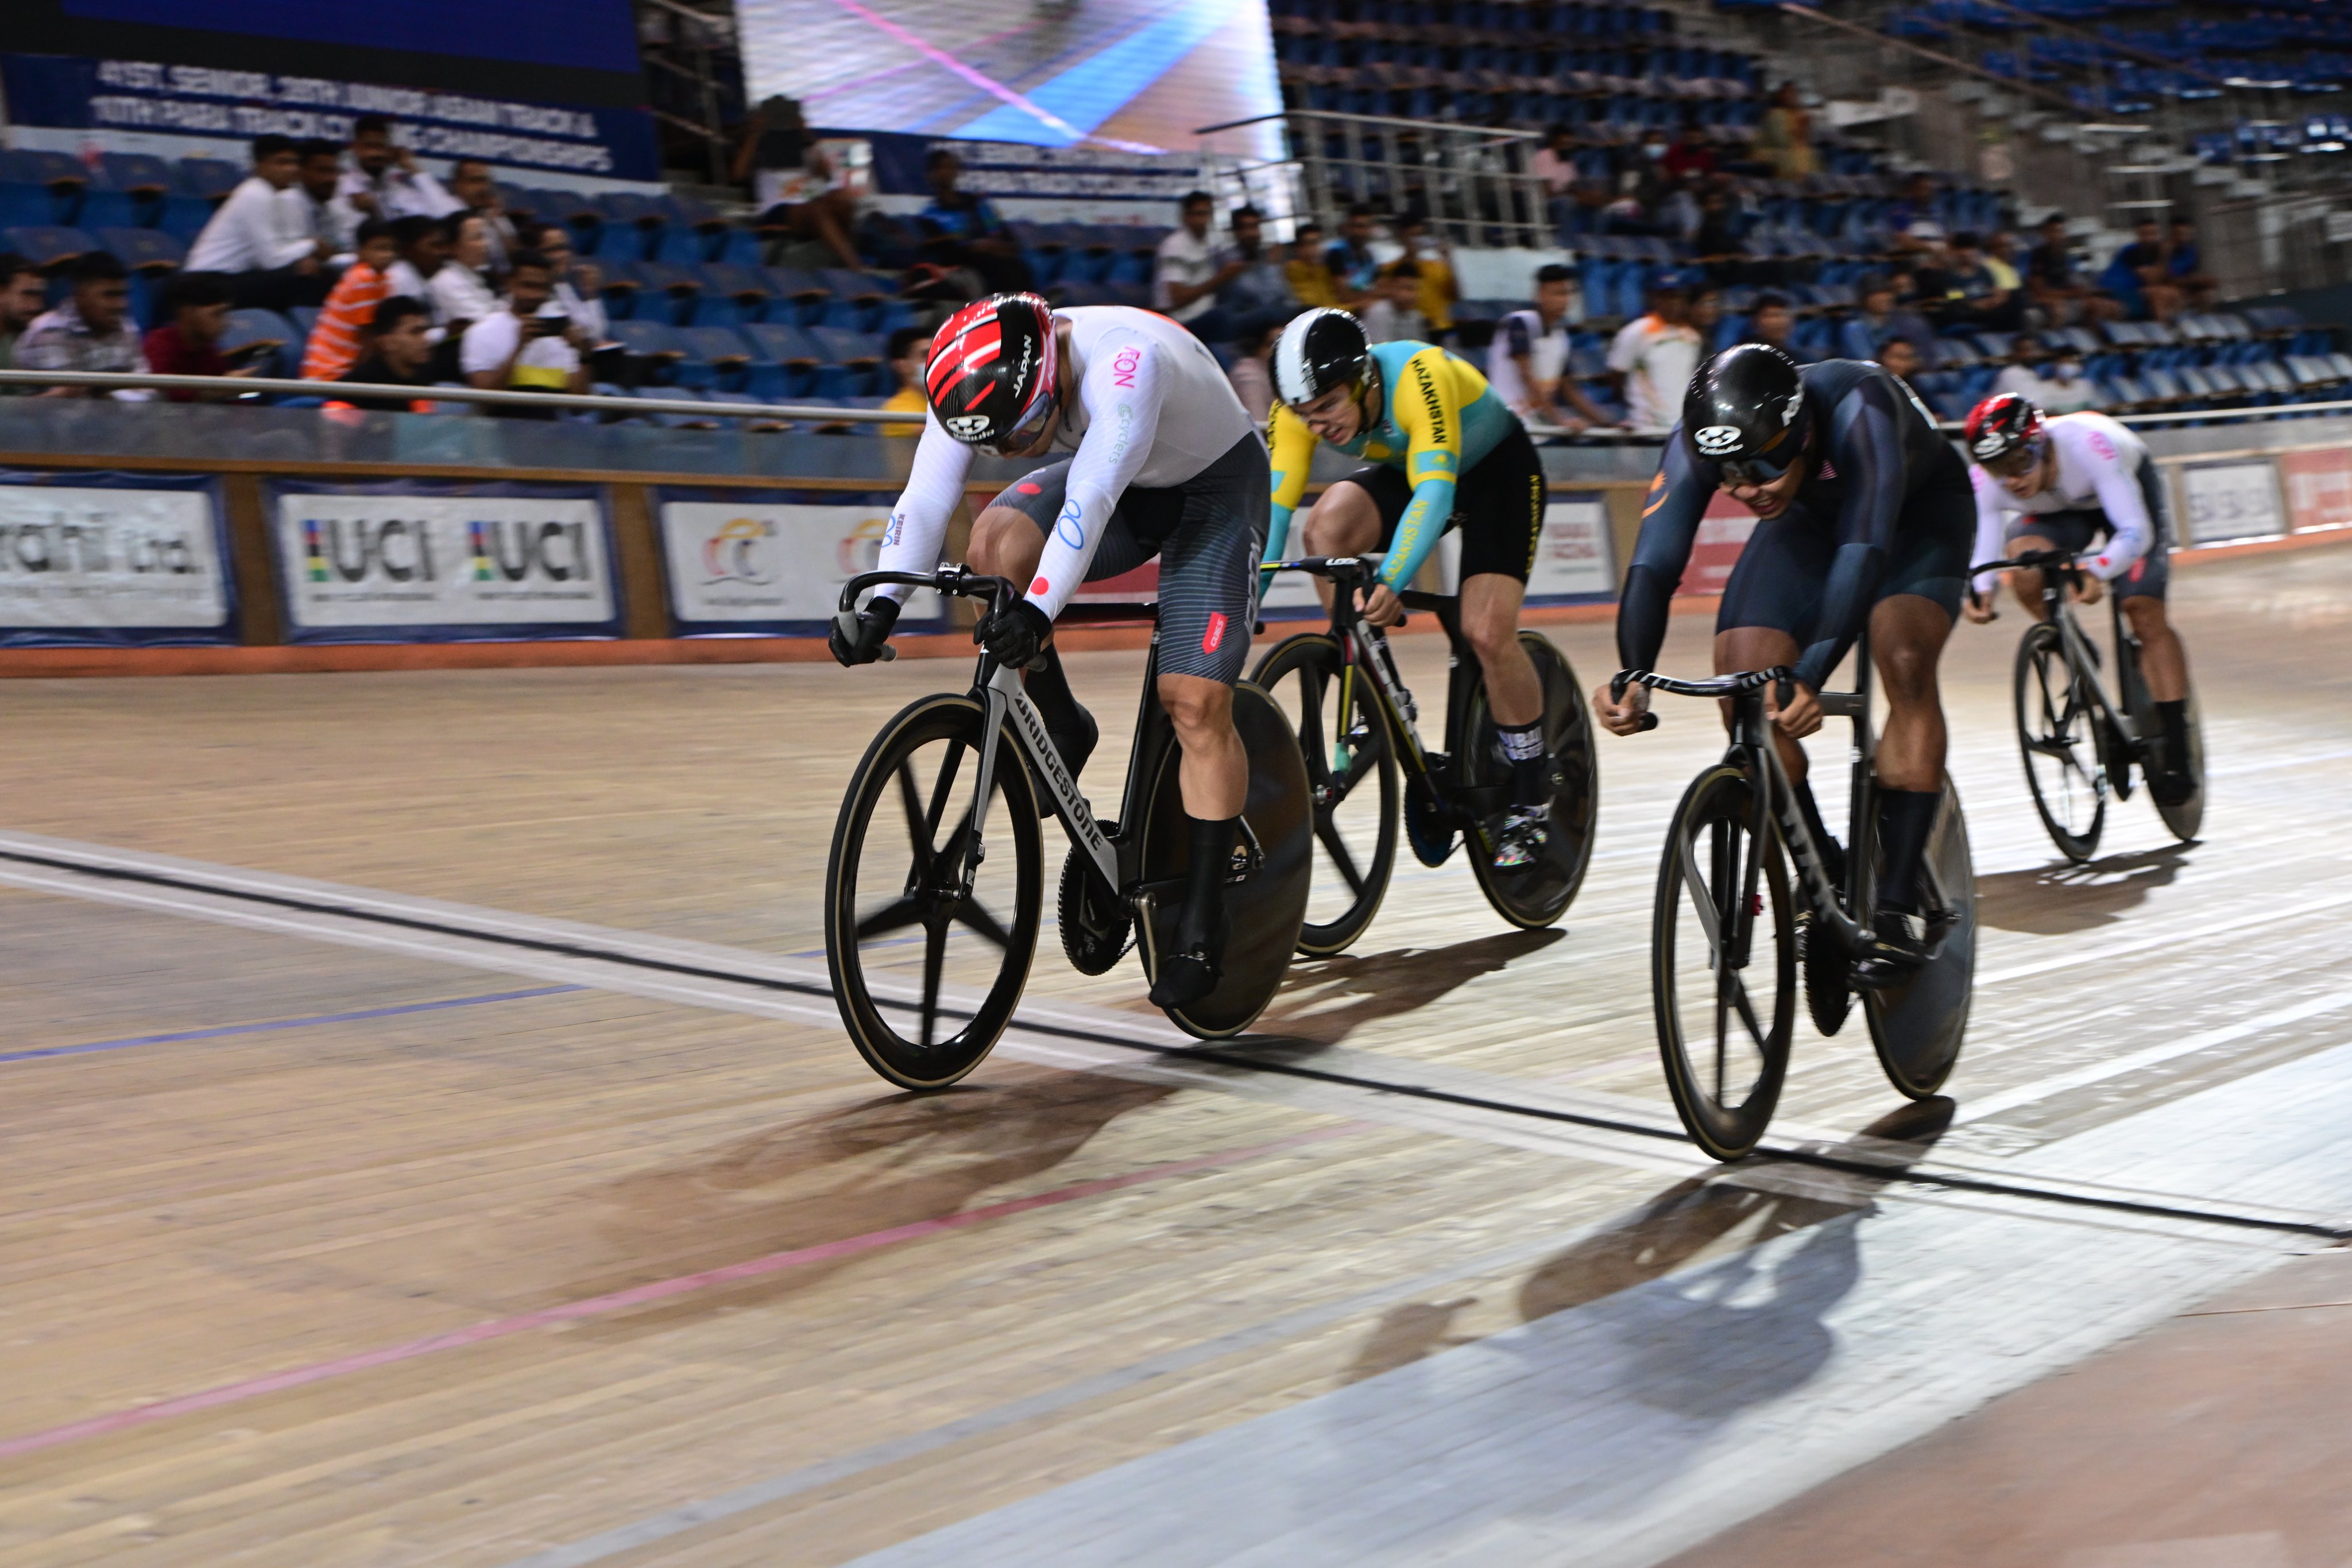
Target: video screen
1135,75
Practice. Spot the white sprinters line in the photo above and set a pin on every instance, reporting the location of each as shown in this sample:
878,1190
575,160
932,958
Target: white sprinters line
2165,939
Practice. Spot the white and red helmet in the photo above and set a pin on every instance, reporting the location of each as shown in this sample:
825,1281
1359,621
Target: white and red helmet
2004,434
992,372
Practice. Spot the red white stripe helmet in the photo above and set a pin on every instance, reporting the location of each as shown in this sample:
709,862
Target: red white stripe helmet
2004,434
992,372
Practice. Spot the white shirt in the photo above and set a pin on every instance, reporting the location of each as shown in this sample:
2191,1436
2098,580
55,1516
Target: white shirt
2050,396
586,312
255,231
1384,323
1523,332
2098,469
1153,409
459,294
398,195
1190,261
1657,363
489,340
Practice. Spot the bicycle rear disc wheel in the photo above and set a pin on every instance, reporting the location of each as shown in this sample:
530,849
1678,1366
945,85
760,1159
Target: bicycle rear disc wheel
1539,893
1352,775
2062,767
2184,820
1267,906
1725,1043
1917,1027
927,974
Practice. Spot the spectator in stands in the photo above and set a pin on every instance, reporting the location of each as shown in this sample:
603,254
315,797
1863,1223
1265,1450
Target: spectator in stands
1355,271
965,230
1528,362
2001,264
90,331
1959,289
1252,372
789,172
1915,204
2134,275
21,292
910,348
1394,314
2053,284
334,344
471,183
259,236
1901,357
2046,372
1717,242
1310,276
1784,136
312,195
395,351
1654,356
1186,273
1865,333
1706,311
385,180
2184,265
1689,157
461,286
1259,295
1771,321
421,252
196,309
579,284
1555,164
531,345
1429,252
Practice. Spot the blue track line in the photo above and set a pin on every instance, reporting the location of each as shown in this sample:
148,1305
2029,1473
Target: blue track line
270,1025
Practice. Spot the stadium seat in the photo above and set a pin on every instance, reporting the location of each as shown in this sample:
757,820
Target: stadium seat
60,171
852,360
246,327
183,216
652,347
785,362
710,353
49,245
211,177
144,250
24,206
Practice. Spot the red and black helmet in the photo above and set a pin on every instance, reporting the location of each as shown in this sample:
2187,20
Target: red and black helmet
2004,434
991,375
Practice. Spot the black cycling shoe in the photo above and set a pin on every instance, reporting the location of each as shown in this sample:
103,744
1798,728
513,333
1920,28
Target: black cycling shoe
1898,949
2172,787
1185,978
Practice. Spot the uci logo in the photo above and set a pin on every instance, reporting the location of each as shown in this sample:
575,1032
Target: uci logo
1988,444
968,426
1716,440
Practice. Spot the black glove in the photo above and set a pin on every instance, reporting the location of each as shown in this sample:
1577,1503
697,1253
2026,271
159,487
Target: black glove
1014,633
872,629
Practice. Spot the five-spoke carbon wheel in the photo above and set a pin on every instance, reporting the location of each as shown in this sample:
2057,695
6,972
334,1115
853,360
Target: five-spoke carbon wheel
1723,965
929,951
2055,733
1352,777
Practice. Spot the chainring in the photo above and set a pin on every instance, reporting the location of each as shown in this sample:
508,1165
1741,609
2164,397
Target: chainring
1093,937
1828,997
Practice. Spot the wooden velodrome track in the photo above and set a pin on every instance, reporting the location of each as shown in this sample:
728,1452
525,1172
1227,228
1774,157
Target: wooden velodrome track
346,1227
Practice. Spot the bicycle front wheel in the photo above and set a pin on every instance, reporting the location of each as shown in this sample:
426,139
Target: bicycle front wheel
927,965
1540,892
1715,942
1351,778
2054,727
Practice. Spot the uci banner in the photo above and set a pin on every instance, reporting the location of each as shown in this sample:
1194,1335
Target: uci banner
754,563
411,562
101,559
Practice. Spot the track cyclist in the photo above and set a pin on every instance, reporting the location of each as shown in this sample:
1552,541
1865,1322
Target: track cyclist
1442,449
1862,509
1165,462
2069,483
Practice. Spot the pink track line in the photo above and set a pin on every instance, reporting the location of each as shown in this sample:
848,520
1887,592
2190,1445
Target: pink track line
641,1295
941,58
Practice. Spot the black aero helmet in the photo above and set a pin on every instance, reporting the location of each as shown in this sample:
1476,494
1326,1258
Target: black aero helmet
1746,411
1319,350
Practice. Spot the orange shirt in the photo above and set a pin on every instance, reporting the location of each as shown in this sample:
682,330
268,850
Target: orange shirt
334,345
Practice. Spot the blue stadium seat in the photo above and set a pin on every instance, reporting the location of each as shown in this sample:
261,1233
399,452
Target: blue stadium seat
785,360
209,177
266,327
101,209
60,171
669,292
183,216
46,245
853,361
26,206
144,250
652,346
622,286
712,354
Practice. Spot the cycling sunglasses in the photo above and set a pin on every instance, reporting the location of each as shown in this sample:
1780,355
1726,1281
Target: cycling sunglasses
2021,458
1022,436
1757,470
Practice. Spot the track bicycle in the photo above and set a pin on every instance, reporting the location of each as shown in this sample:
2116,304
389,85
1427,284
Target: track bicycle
2079,747
1356,725
929,938
1725,912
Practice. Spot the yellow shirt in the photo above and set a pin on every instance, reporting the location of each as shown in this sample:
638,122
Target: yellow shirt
1436,299
1311,281
906,400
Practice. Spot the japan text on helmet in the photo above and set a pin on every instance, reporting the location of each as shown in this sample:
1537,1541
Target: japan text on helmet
1746,413
991,375
2004,434
1319,350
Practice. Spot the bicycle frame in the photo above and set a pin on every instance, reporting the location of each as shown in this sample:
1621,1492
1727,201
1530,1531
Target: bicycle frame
2058,571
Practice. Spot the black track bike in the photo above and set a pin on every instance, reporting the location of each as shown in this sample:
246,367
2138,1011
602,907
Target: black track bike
1356,725
2079,746
935,888
1731,928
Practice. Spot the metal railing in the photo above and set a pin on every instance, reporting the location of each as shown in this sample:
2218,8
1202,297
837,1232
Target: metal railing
1472,182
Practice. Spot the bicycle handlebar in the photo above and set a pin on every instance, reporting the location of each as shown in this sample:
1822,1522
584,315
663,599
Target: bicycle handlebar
949,579
1351,573
1719,686
2032,560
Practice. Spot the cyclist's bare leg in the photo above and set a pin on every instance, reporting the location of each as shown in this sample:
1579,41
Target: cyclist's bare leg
2022,581
1213,772
2163,663
1006,542
1490,623
1906,639
1762,648
1344,520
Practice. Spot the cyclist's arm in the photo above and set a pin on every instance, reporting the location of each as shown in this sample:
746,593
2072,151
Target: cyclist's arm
1121,394
1992,528
1424,407
1291,446
2130,529
1865,443
918,523
1671,512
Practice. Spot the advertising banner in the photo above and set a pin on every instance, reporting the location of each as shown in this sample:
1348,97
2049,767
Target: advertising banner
1722,534
104,560
771,564
2318,488
2229,501
417,562
1573,559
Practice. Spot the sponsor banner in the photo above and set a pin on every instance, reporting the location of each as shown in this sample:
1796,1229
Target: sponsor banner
771,564
2318,488
417,562
1574,559
105,559
2229,501
1722,534
68,92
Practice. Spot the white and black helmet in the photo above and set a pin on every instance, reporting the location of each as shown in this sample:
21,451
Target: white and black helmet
1319,350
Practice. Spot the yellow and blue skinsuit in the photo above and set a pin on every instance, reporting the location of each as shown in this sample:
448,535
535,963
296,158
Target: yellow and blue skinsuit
1439,418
